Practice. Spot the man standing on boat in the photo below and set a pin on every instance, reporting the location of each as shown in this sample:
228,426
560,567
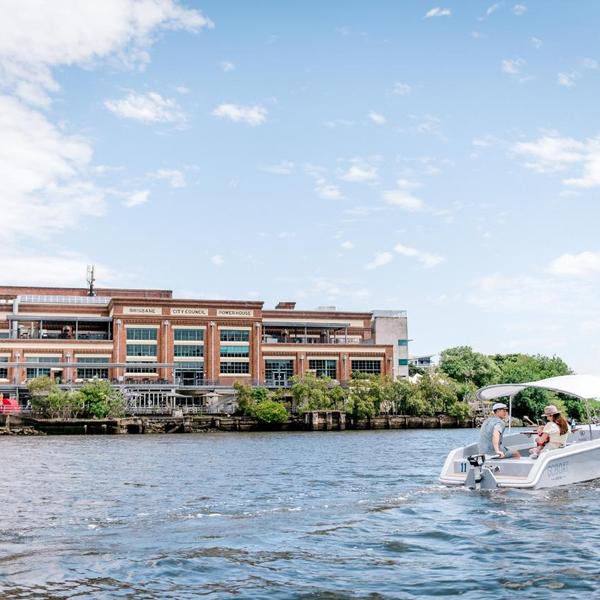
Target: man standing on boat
490,437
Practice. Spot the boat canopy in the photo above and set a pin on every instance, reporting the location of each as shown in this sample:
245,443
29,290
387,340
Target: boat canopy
581,386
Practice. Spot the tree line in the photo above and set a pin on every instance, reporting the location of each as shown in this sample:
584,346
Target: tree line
446,389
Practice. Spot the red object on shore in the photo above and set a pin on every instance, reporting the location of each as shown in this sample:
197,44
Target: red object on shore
9,405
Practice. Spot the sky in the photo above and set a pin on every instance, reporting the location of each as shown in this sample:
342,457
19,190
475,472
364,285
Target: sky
442,159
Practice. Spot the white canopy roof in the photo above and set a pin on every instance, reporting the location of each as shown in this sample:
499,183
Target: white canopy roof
582,386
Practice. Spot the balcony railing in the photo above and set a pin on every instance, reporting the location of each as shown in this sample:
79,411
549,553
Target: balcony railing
270,339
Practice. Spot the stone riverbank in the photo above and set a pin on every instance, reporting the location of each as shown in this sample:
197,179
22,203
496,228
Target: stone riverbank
312,421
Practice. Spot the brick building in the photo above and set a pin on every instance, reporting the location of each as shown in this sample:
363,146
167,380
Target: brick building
146,339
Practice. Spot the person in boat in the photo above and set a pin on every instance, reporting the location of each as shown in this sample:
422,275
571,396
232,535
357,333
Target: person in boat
492,429
554,434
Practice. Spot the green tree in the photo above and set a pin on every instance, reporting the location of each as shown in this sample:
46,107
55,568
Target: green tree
245,398
365,396
64,404
438,393
464,365
270,412
519,368
316,393
102,400
52,402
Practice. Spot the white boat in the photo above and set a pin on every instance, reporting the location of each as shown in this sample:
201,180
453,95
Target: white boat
578,461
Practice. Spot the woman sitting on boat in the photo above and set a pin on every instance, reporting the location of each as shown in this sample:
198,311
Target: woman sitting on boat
554,434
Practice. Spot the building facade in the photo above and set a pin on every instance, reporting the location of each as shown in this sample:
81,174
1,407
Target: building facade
147,338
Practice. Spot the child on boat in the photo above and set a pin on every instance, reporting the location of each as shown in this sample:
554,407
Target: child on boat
554,434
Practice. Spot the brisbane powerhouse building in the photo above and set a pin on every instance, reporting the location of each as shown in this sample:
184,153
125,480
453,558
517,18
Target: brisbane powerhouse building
148,339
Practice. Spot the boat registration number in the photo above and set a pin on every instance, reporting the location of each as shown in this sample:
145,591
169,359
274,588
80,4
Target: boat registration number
558,470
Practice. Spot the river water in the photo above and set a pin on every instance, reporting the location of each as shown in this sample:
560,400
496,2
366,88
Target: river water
281,515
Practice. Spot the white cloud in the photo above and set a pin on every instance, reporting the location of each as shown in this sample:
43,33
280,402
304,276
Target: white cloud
328,191
492,9
403,197
427,125
217,260
45,175
283,168
536,42
181,89
551,152
381,259
567,79
137,198
377,118
438,12
513,66
402,89
360,173
22,267
323,189
46,170
584,264
175,177
519,9
227,66
80,33
538,297
333,124
427,259
347,245
148,108
252,115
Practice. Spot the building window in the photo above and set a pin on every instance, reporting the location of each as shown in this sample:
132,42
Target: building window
33,372
403,362
139,333
323,368
278,372
189,373
90,372
188,351
188,335
373,367
402,342
239,351
141,349
228,368
147,370
3,370
4,334
235,335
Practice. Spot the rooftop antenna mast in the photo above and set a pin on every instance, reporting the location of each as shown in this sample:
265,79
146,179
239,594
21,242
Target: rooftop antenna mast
91,279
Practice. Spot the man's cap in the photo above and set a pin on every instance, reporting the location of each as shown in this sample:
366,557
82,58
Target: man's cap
498,406
551,410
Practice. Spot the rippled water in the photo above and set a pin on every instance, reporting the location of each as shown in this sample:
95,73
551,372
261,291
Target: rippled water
293,515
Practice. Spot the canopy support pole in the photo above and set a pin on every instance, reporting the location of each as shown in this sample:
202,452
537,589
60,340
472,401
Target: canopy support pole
510,403
587,414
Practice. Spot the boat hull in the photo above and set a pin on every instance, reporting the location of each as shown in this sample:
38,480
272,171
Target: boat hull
577,462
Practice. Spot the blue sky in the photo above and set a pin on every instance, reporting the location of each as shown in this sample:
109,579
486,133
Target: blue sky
438,158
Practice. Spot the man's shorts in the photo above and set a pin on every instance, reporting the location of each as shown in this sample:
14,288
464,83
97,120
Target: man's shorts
508,453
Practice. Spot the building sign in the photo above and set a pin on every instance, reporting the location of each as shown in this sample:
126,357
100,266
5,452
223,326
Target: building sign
233,312
142,310
189,312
